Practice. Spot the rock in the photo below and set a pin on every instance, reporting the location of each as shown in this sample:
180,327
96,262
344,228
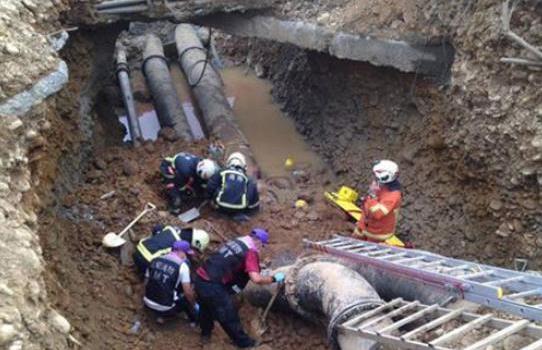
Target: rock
259,70
59,322
11,49
168,134
129,168
100,164
495,205
323,18
313,216
4,189
7,333
129,291
15,124
149,147
529,203
503,230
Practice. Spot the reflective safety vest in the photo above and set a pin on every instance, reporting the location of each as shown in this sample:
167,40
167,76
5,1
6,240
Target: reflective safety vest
159,244
233,191
226,262
163,275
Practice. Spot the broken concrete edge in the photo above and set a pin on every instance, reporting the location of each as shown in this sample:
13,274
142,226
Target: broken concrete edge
432,59
45,87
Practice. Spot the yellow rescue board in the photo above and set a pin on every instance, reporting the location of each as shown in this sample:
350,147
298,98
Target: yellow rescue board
355,212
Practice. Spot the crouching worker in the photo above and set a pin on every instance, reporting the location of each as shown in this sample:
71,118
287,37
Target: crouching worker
232,190
168,289
224,273
185,176
381,205
161,241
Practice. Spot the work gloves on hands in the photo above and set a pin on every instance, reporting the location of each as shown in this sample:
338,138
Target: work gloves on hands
279,277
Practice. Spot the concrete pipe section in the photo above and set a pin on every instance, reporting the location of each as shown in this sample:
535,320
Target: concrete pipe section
208,89
165,98
324,290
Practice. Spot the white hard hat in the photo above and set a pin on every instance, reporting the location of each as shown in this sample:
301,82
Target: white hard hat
237,159
200,239
206,168
385,171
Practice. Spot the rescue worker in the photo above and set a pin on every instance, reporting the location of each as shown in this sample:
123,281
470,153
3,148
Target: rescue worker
227,272
381,206
185,176
232,190
161,240
168,289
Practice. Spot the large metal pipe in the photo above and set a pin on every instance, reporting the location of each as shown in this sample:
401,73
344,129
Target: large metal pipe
324,290
209,93
166,101
123,76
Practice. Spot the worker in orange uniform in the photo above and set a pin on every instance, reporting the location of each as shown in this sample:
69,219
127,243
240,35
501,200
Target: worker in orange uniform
381,205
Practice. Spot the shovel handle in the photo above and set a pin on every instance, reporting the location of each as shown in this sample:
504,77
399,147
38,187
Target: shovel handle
148,207
271,302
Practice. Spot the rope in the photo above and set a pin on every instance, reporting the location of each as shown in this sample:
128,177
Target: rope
205,61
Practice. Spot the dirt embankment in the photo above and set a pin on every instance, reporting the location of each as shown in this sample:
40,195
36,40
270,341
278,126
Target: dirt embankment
469,152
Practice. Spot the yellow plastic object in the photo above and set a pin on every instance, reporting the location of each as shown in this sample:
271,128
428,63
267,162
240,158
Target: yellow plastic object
500,293
347,194
395,241
289,163
300,203
349,207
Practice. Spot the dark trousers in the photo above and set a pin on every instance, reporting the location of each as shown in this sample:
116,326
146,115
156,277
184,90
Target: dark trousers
181,305
140,262
216,304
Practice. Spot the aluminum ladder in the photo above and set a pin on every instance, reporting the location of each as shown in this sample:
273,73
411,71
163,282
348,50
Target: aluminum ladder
519,293
417,326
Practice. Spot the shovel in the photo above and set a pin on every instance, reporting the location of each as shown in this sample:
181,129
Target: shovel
262,327
191,214
113,240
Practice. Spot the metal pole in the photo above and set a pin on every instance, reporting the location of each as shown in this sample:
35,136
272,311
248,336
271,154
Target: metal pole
123,75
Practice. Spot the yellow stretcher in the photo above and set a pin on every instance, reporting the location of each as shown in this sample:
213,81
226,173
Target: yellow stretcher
345,200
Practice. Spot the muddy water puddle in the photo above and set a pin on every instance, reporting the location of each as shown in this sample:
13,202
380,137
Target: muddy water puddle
272,136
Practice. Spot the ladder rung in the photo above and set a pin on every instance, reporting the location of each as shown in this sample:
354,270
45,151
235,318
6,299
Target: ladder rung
391,256
503,281
537,345
476,274
455,268
339,244
407,260
433,324
366,249
524,294
461,330
371,313
332,240
408,319
394,313
384,251
355,246
503,333
425,265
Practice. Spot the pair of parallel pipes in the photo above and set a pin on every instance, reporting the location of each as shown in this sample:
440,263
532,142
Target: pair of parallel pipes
217,113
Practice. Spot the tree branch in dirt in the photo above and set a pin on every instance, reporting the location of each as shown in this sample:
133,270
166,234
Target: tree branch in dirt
507,11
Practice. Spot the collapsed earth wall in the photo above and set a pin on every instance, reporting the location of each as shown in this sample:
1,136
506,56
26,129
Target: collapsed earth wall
469,152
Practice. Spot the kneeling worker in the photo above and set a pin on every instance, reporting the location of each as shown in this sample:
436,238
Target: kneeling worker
167,283
381,205
231,189
161,241
185,175
226,272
